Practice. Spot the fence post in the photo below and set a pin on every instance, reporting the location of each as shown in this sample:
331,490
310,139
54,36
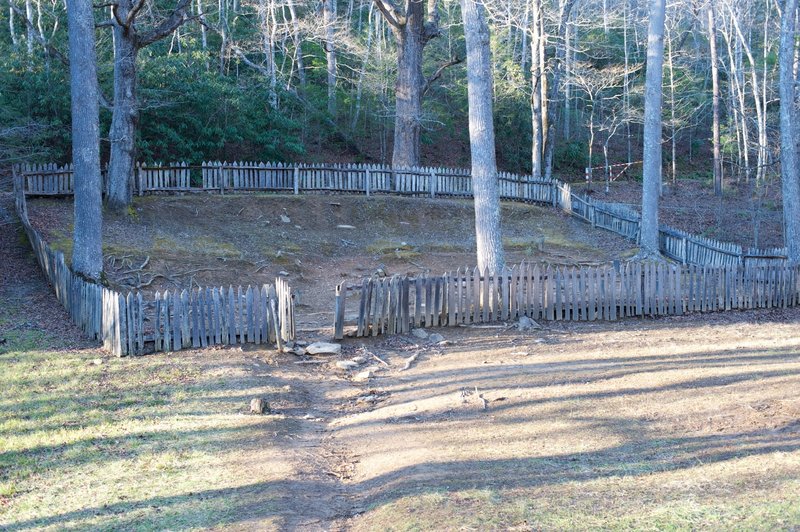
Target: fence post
140,178
338,319
368,180
296,180
433,183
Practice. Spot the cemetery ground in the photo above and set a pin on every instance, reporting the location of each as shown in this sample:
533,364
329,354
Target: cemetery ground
682,423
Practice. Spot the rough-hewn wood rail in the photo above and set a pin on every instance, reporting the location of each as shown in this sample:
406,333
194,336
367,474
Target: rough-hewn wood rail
224,177
131,324
394,305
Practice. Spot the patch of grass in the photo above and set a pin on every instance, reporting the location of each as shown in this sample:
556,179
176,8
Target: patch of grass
444,248
156,442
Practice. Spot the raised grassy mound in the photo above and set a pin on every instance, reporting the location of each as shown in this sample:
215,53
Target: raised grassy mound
314,240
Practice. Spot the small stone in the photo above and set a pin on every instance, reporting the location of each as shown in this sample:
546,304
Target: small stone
97,361
526,324
436,338
299,351
323,348
345,226
285,219
363,376
301,343
419,333
380,272
445,343
283,273
259,405
359,360
346,364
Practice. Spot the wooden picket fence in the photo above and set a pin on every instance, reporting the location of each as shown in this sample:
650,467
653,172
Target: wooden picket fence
131,324
370,179
394,305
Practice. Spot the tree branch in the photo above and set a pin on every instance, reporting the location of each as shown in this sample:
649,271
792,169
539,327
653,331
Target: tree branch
391,13
438,74
174,21
132,13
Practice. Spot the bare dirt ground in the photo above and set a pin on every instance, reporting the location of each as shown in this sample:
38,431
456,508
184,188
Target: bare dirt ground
746,215
690,422
232,240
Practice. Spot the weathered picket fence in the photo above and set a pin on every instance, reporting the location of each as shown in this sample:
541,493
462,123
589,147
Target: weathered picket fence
372,179
131,324
394,305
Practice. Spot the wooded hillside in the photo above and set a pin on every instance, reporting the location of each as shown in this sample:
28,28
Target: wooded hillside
311,80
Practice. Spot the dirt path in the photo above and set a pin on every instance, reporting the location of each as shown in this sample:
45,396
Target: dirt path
689,422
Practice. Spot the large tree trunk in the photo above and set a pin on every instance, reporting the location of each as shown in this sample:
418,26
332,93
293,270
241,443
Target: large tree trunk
790,177
481,138
412,31
652,129
408,99
87,250
124,118
712,40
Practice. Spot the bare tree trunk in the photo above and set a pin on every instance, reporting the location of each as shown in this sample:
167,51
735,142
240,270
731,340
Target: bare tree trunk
87,249
790,177
673,125
652,129
203,34
329,15
481,137
412,32
567,83
298,45
30,37
555,87
537,138
712,39
125,116
363,70
12,28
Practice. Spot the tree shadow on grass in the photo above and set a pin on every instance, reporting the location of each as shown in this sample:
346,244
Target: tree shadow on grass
636,457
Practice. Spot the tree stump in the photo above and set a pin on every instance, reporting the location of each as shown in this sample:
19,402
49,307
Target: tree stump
259,405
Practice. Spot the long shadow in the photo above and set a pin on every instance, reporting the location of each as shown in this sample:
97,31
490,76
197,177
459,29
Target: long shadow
428,384
454,384
634,458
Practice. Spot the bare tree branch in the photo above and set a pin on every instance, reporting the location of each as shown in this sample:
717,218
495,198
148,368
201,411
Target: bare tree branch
391,13
438,74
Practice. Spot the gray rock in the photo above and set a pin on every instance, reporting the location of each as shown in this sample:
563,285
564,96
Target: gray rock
346,364
526,324
363,376
345,226
436,338
359,360
285,219
419,333
323,348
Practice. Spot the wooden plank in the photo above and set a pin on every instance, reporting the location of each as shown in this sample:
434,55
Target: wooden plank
250,324
505,288
215,298
338,320
485,301
195,320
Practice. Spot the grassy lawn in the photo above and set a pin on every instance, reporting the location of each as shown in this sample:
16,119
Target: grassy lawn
92,442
